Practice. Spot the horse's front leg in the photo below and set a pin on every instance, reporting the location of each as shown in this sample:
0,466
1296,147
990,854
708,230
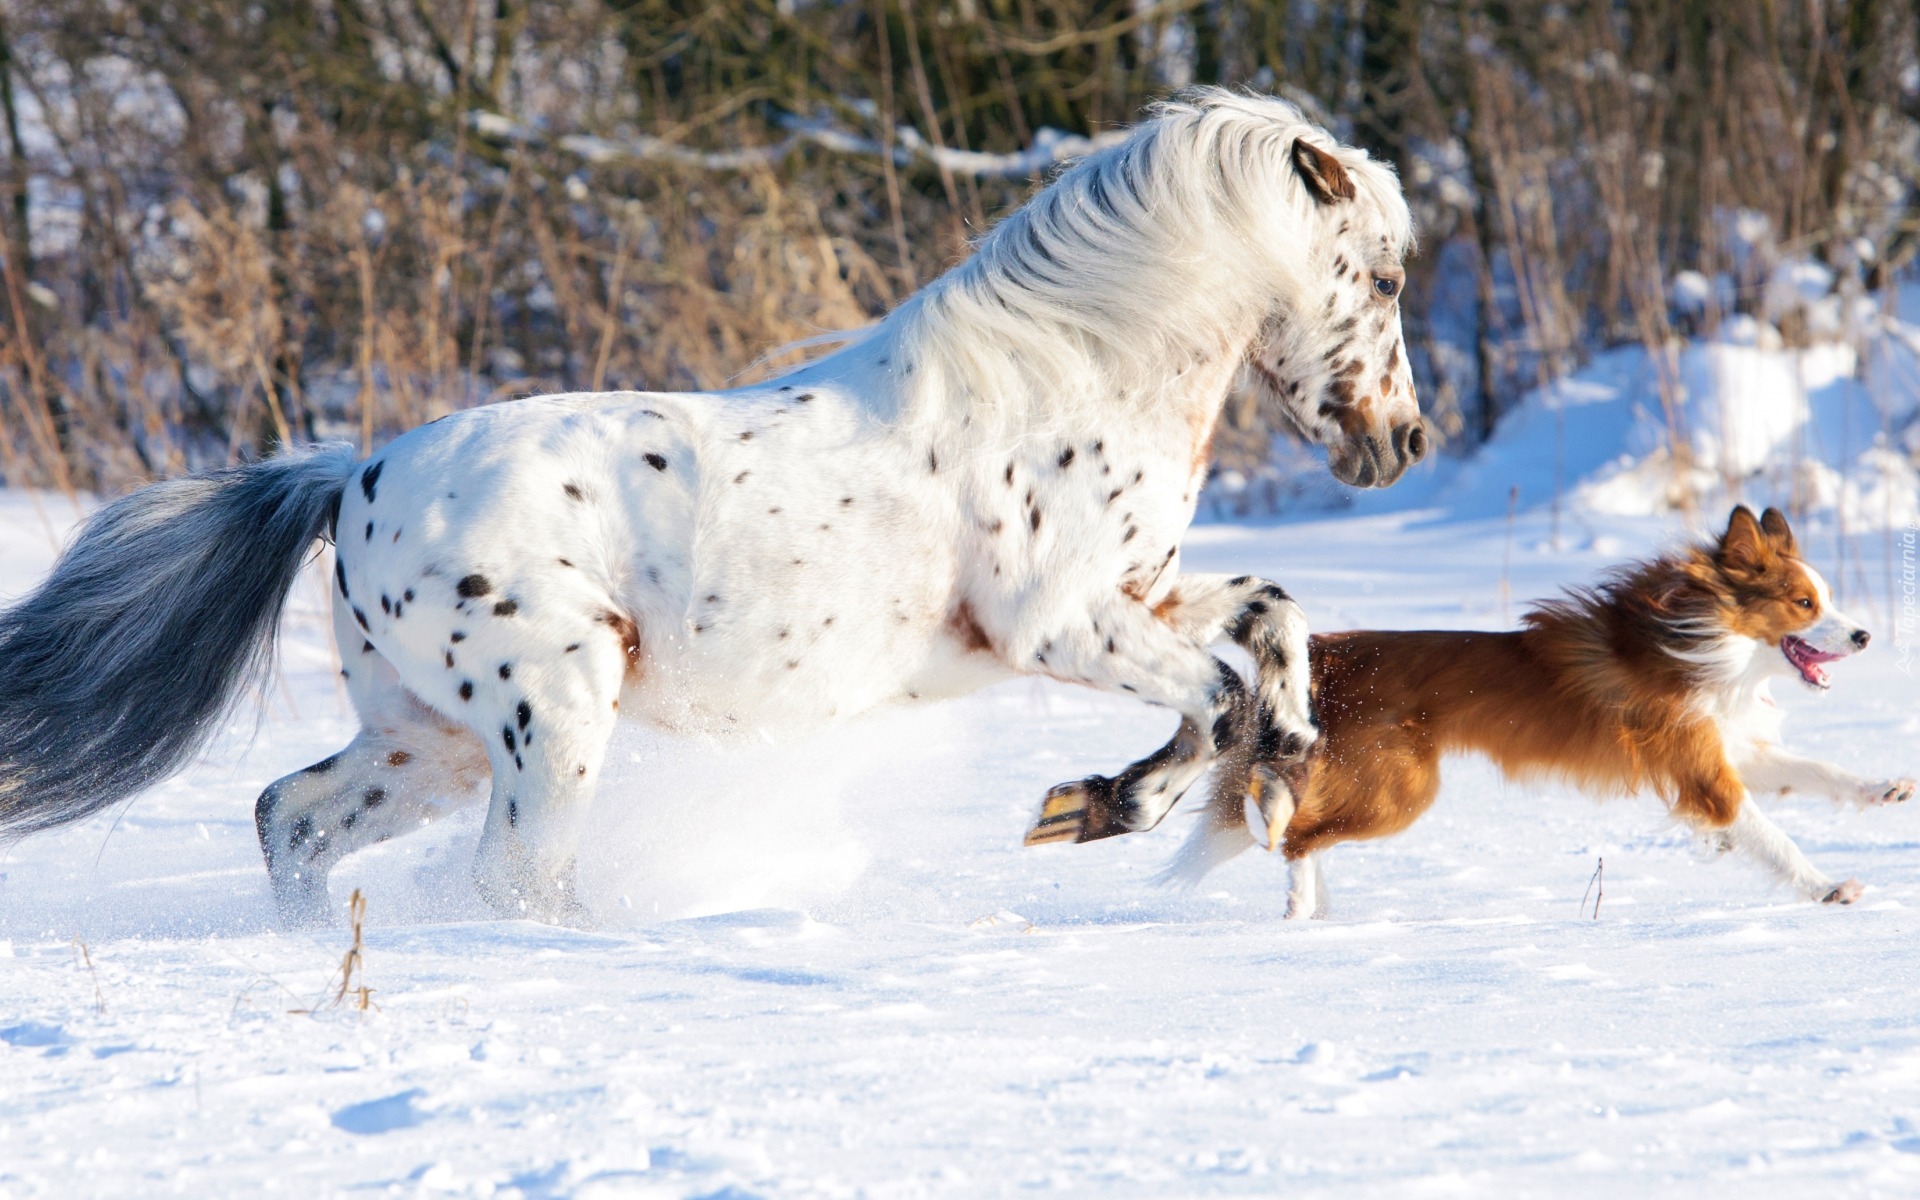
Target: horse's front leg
1160,654
1265,622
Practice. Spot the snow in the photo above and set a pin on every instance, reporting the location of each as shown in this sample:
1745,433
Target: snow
830,969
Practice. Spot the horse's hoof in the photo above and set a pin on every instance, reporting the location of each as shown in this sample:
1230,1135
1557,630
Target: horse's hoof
1081,811
1845,893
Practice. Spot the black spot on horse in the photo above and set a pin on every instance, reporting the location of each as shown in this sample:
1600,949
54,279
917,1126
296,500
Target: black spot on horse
456,636
362,619
366,647
374,797
657,461
513,811
466,689
369,479
506,670
845,500
933,461
746,435
506,608
571,648
506,735
369,530
573,491
523,713
1066,458
350,820
473,586
1033,519
1009,475
449,660
323,766
301,832
1109,645
340,577
386,605
1131,530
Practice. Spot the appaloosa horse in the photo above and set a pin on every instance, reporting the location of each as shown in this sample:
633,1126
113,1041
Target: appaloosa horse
992,481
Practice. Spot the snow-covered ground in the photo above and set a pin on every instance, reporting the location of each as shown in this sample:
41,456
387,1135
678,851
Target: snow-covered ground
830,969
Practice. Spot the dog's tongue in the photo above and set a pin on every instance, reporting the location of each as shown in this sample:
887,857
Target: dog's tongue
1807,660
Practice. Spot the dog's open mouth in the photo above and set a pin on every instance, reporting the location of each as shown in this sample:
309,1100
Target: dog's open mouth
1807,660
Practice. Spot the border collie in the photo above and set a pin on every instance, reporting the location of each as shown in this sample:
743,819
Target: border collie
1655,681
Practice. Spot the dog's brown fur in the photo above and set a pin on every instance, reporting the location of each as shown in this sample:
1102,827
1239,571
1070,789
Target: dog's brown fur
1596,689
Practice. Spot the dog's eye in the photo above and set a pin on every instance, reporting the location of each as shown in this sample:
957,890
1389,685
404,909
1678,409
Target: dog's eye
1386,288
1804,602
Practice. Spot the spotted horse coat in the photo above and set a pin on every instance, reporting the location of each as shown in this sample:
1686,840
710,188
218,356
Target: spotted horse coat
993,481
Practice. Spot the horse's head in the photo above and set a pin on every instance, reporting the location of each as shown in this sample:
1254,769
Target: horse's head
1330,355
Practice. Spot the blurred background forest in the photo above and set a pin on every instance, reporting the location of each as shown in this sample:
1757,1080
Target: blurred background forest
228,223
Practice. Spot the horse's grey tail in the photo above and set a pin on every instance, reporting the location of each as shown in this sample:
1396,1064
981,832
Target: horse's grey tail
120,666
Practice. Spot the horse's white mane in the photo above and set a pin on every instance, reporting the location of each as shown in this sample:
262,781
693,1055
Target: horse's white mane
1136,262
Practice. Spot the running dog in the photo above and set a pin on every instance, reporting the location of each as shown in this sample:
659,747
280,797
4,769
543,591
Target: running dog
1655,681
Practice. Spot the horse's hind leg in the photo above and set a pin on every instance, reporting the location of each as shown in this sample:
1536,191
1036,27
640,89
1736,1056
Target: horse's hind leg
404,763
388,781
551,723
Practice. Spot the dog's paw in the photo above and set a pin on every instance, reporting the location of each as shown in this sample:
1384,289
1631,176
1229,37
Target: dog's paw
1892,791
1844,893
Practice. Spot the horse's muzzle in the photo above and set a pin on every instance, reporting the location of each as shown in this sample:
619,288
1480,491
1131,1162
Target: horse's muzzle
1367,462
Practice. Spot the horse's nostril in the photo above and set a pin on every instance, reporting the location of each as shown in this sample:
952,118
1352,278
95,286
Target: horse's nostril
1417,444
1860,638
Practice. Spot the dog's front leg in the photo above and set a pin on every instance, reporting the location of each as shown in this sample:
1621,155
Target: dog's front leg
1774,770
1754,836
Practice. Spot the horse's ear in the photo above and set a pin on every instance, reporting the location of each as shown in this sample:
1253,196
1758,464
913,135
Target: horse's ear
1775,523
1326,179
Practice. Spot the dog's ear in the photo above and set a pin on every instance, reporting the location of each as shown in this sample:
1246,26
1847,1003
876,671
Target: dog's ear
1743,547
1327,181
1774,522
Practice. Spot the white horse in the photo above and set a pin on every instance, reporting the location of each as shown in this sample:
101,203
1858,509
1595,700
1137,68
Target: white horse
992,481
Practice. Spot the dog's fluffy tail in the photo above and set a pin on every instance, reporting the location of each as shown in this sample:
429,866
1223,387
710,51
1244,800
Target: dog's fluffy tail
119,667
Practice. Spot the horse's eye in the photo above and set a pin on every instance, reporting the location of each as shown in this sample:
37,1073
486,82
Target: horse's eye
1386,287
1804,602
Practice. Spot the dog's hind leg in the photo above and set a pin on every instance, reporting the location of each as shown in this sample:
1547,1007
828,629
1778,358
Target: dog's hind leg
1305,892
1760,840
